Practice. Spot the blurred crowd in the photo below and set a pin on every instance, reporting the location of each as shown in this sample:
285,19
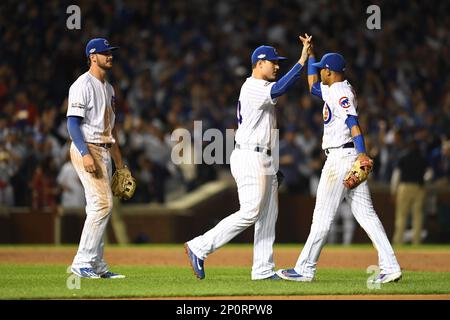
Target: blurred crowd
181,61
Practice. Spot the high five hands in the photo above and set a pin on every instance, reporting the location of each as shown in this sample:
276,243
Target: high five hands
307,48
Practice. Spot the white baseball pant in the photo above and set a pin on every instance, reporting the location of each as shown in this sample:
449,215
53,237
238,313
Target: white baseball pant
329,195
99,202
258,199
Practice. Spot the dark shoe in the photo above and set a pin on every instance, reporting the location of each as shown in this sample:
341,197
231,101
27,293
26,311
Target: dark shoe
292,275
111,275
196,263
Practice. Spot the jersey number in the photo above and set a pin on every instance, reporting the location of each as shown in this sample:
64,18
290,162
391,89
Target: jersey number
239,116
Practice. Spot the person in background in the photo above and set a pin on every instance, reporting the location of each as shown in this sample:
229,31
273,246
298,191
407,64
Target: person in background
407,184
72,192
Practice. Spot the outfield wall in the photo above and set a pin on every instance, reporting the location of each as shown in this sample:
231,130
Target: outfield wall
195,214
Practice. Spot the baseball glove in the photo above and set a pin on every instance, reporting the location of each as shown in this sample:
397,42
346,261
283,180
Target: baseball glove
280,178
123,184
359,171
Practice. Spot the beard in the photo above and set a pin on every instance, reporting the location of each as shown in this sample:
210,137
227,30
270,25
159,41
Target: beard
105,65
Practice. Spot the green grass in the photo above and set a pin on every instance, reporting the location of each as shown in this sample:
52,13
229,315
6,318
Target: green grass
49,281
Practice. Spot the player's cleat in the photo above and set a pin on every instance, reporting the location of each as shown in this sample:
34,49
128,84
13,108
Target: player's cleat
85,273
292,275
196,263
272,277
387,277
111,275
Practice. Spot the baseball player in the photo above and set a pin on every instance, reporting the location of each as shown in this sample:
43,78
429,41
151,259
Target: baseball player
343,143
257,188
90,121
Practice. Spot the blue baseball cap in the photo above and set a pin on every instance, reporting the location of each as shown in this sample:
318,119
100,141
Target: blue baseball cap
265,53
98,45
333,61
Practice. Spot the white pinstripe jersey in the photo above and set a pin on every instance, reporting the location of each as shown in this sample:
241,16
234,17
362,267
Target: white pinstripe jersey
340,101
94,101
255,113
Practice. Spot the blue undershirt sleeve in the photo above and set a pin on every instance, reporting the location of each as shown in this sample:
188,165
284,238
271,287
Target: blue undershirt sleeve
281,86
359,143
315,90
351,121
73,125
312,71
359,139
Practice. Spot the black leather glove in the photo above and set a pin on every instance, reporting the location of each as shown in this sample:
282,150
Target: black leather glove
280,178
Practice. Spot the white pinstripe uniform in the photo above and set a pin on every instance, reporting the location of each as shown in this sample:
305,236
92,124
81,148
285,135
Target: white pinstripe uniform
340,101
257,186
93,100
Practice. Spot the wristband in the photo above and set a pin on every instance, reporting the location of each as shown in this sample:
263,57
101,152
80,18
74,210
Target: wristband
311,69
359,143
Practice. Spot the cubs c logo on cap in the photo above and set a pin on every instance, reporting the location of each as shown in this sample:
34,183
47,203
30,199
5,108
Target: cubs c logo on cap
106,43
344,102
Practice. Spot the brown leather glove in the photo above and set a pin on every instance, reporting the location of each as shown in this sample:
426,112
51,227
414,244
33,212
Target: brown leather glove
359,171
123,184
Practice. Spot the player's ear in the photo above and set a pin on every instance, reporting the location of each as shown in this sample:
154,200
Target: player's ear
93,58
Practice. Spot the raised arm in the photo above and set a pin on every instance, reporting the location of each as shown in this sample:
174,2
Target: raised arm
313,75
282,85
